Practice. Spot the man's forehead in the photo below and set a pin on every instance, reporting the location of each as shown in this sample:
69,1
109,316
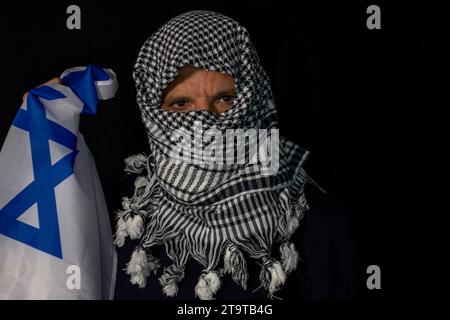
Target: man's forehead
191,77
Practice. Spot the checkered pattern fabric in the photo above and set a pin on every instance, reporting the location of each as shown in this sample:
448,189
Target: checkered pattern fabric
218,214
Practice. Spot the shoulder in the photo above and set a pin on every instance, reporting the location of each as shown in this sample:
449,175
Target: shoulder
330,266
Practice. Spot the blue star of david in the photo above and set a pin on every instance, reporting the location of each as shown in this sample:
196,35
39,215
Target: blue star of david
46,176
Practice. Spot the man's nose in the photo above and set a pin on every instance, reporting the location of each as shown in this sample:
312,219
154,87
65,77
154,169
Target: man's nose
205,104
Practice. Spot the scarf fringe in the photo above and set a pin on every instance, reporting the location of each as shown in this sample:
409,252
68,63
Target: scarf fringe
208,284
293,224
298,213
130,222
136,163
169,280
289,257
272,277
236,265
135,226
121,232
140,267
131,219
292,213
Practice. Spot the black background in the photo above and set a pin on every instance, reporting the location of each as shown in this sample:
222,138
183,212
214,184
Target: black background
341,90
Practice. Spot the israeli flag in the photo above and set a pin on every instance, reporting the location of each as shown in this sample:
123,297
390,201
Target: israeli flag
55,233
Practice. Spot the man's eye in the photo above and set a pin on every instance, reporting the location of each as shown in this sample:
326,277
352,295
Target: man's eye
179,104
227,99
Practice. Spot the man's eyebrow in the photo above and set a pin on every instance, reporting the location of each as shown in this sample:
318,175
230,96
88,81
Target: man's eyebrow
176,98
229,92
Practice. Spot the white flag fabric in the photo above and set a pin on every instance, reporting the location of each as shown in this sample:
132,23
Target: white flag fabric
55,233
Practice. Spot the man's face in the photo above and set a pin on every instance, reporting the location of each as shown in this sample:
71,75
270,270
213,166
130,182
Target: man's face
199,89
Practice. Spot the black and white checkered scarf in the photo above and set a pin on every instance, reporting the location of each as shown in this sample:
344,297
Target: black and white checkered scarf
218,214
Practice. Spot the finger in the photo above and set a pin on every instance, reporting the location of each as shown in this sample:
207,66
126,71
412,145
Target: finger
54,80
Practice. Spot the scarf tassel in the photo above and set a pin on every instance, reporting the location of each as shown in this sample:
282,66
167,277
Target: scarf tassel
140,267
121,232
289,257
293,224
135,163
293,218
135,226
235,264
272,277
130,222
172,275
208,284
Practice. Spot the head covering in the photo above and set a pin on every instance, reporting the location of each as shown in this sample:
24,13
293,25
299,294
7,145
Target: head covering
221,213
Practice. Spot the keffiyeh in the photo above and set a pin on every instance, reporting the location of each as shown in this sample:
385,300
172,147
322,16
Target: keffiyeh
217,213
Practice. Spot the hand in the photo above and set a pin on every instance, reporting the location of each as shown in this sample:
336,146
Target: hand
54,80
